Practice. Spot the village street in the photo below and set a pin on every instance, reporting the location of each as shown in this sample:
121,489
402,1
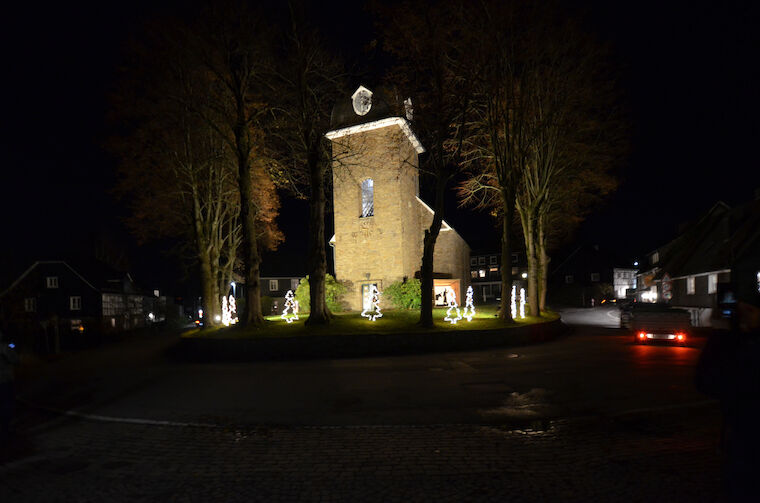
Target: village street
589,416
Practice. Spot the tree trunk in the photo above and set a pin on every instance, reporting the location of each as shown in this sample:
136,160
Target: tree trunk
208,299
505,308
527,216
251,258
543,263
428,252
319,313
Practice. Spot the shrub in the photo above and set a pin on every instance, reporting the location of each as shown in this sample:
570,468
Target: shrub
404,294
334,291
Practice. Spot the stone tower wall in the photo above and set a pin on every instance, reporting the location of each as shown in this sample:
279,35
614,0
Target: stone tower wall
378,249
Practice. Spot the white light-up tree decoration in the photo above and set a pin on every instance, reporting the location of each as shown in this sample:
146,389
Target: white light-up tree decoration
232,306
374,305
514,302
291,304
469,307
452,306
522,302
225,313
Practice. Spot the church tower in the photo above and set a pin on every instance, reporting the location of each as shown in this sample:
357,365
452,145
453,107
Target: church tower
379,217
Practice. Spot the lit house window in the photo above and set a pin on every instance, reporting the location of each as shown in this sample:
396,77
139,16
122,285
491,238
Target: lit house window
474,274
30,304
690,288
712,283
595,277
273,285
482,273
569,279
51,281
75,303
294,284
655,257
368,198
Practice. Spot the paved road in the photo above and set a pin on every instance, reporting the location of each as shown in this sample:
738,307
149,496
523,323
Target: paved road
588,416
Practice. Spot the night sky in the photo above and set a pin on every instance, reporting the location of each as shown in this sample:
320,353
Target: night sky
689,73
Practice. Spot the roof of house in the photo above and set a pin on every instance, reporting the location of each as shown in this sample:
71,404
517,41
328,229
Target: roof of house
714,242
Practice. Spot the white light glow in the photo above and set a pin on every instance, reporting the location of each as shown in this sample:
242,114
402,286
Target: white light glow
151,316
469,307
522,302
291,304
374,308
524,275
452,306
514,302
225,317
232,306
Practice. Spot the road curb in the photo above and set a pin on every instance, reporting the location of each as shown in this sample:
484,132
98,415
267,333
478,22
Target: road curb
200,349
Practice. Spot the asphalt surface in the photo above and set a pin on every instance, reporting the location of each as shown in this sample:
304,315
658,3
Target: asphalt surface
588,416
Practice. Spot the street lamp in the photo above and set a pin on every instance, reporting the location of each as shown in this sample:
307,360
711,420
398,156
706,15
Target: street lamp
232,284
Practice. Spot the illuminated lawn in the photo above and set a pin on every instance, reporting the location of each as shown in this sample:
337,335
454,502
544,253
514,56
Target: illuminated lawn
393,321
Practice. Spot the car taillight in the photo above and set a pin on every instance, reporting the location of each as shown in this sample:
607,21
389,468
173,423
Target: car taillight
642,335
680,337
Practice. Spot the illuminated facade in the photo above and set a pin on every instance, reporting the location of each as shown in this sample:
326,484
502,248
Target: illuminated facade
379,216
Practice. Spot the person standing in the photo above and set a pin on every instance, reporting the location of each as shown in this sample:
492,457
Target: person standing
729,370
8,361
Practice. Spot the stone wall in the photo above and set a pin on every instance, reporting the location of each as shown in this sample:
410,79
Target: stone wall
386,247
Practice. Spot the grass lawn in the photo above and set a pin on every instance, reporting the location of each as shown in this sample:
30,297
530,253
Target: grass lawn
393,321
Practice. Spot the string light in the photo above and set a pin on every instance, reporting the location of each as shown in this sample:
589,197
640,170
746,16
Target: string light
375,305
522,302
225,313
469,307
232,306
452,305
291,304
514,302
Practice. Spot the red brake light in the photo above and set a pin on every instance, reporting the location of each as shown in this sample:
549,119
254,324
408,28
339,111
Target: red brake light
680,337
642,335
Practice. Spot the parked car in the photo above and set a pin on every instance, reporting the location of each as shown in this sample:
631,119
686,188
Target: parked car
657,322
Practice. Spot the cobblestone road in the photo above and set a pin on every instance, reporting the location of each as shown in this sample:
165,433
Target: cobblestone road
670,456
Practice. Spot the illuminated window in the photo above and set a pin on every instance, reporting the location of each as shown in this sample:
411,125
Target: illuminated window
482,273
273,285
569,279
368,198
294,284
30,304
595,277
75,303
515,271
492,260
690,285
712,283
474,274
51,281
493,269
655,257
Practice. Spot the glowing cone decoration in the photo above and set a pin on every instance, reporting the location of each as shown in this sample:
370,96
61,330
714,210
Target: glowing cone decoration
452,307
291,304
373,311
469,307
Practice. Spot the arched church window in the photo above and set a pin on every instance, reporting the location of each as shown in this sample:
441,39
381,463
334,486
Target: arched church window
368,198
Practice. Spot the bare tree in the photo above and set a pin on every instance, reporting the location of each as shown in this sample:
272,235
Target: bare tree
306,80
429,67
